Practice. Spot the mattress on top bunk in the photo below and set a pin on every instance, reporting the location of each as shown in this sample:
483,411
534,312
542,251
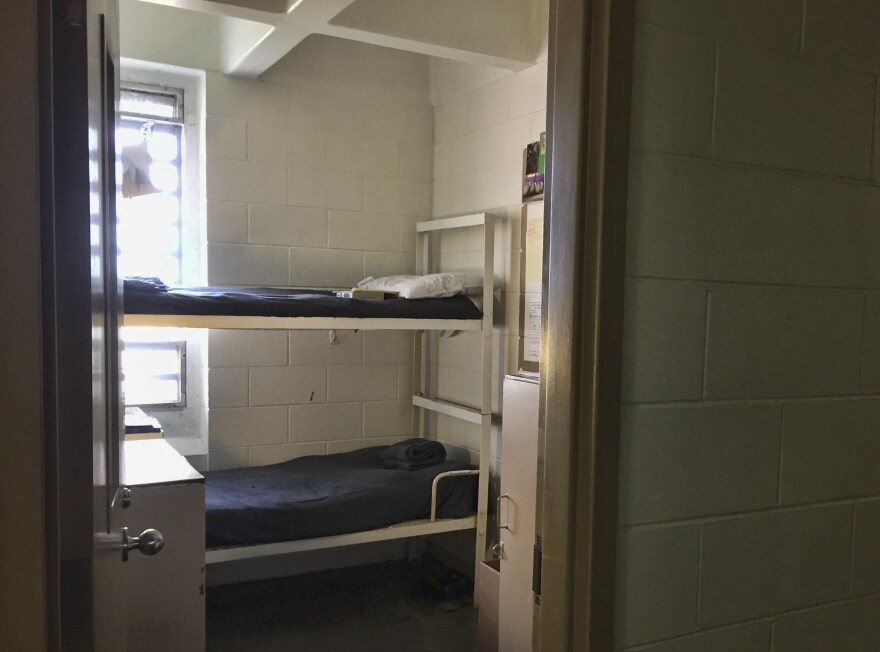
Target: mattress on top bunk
323,495
142,299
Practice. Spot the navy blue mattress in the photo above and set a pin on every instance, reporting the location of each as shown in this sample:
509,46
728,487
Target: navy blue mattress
323,495
142,299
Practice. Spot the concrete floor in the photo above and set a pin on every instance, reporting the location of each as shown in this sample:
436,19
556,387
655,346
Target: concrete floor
363,609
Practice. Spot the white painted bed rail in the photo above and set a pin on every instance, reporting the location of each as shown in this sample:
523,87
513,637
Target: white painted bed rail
301,323
421,527
437,479
463,221
449,409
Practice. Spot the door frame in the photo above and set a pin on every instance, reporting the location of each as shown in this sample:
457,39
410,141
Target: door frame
588,108
27,578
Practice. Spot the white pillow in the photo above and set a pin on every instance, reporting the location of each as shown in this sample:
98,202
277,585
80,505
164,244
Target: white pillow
432,286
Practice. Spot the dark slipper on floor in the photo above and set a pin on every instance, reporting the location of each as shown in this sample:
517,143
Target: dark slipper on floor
447,591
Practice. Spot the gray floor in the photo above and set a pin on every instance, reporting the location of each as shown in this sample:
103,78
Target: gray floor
364,609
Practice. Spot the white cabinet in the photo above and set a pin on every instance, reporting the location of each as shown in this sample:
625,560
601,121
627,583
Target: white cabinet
166,592
516,511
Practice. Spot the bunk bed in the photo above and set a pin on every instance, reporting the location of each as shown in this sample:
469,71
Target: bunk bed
271,308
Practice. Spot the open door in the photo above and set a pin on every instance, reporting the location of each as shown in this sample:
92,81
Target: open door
82,307
108,553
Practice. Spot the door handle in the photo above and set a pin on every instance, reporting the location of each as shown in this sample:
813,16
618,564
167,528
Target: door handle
149,542
505,526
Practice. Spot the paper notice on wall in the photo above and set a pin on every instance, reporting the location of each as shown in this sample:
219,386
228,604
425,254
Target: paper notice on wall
532,345
532,273
534,245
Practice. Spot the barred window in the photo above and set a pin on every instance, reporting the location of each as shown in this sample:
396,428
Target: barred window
150,233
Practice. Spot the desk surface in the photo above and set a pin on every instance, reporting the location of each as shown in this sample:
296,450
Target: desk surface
154,462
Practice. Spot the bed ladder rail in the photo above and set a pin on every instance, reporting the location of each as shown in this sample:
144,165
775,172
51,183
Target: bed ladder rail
450,409
460,222
424,385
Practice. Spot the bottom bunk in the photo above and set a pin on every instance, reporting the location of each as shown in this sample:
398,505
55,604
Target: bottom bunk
326,501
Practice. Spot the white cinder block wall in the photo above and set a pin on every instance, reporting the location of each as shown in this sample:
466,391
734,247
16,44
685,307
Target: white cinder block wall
316,175
750,462
483,119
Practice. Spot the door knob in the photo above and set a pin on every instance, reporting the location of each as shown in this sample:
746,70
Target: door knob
150,542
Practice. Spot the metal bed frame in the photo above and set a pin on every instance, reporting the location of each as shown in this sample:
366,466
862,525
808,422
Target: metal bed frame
427,405
406,529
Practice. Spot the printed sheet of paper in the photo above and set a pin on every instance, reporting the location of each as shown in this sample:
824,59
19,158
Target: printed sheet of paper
532,351
534,245
533,242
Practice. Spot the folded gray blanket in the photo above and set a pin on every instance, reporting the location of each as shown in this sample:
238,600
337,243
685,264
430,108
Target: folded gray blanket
413,454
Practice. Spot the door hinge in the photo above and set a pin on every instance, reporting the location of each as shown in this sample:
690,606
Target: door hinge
536,568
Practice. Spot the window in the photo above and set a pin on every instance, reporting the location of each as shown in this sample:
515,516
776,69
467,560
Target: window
157,373
150,233
161,231
151,102
150,224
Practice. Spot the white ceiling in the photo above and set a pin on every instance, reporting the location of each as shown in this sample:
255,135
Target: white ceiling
246,37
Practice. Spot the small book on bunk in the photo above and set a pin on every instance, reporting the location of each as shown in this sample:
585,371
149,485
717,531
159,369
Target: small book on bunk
366,295
139,425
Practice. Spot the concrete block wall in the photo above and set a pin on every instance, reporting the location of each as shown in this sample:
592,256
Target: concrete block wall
483,119
750,447
316,175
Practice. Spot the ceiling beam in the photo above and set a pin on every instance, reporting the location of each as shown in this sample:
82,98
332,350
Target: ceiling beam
422,47
224,10
303,19
261,55
249,49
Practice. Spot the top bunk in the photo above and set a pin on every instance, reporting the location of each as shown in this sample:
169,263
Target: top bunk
274,308
154,305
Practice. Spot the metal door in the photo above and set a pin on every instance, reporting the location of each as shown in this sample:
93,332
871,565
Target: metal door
82,322
109,608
